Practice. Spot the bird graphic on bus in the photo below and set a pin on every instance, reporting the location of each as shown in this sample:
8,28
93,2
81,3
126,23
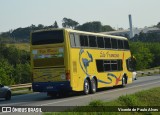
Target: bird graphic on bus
85,58
110,76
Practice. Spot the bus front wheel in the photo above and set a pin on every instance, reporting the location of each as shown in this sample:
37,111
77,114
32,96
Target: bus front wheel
124,82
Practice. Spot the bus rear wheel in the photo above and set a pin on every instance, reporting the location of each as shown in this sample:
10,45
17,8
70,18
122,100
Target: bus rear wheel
86,87
93,86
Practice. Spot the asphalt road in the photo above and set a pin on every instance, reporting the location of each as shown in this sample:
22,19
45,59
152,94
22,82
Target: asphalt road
106,94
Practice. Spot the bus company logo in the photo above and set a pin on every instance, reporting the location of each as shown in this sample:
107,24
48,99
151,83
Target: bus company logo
48,51
52,51
42,51
6,109
107,54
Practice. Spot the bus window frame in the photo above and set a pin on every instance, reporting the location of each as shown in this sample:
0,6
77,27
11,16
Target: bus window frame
110,64
96,36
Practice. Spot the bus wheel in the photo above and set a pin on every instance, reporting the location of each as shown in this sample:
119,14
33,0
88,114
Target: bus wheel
123,82
86,87
93,86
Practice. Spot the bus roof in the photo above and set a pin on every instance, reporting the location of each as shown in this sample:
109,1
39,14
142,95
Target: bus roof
81,32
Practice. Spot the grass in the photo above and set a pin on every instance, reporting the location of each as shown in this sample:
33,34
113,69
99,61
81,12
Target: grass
149,72
21,46
143,98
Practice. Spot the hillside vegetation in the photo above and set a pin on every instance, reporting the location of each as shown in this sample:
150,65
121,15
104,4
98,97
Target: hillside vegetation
22,34
14,65
20,46
147,54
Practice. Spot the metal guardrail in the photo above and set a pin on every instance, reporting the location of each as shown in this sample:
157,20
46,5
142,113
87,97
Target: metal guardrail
149,72
19,86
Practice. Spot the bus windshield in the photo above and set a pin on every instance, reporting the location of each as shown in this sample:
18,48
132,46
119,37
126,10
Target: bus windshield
47,37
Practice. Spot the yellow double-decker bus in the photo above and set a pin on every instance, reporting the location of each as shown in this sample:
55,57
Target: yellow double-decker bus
66,60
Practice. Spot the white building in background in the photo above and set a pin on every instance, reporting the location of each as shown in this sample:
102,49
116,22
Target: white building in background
126,33
131,32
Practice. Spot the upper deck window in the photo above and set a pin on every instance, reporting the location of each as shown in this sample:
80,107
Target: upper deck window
84,41
126,45
47,37
107,42
114,43
92,41
120,44
100,42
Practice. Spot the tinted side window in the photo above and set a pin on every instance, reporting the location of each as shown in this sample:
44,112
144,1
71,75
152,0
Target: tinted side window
107,42
129,64
120,44
114,65
100,42
107,65
120,67
114,43
99,64
126,45
92,41
84,41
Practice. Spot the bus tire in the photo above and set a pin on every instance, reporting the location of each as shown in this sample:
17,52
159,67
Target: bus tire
124,81
86,87
93,86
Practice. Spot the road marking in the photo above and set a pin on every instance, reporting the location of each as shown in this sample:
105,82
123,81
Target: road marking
89,95
13,104
98,94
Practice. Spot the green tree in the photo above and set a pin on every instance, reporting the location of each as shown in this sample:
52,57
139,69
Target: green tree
158,25
155,50
6,72
55,25
14,65
69,23
40,26
95,26
22,73
143,55
107,28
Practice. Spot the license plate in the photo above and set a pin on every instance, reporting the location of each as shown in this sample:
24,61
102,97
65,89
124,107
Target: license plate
49,87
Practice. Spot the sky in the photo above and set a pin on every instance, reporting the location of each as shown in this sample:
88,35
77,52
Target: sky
23,13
